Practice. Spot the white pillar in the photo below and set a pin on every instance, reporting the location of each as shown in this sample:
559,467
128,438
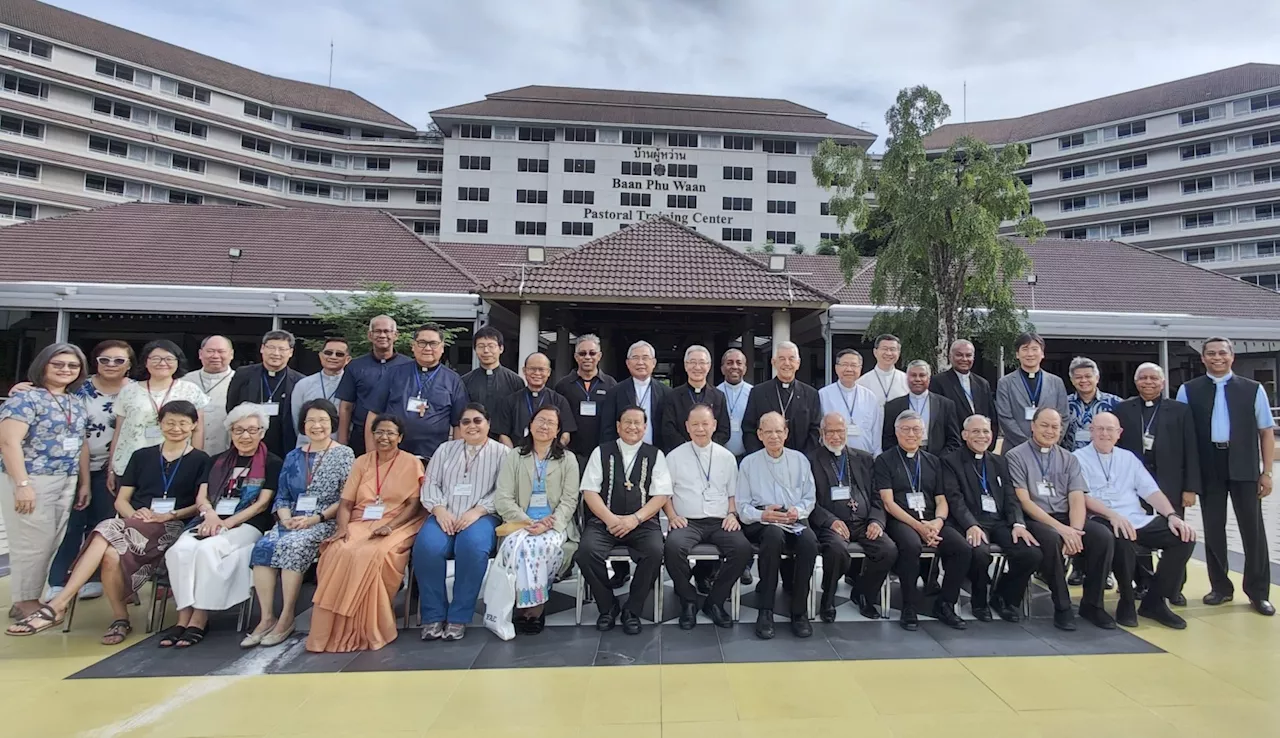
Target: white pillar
829,353
63,328
1164,363
528,330
781,329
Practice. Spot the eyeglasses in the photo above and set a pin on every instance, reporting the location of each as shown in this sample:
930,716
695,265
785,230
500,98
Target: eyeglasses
911,431
428,344
386,433
184,424
693,362
585,354
537,370
477,420
773,432
276,349
60,365
544,423
640,358
162,360
316,421
241,432
112,361
335,354
383,332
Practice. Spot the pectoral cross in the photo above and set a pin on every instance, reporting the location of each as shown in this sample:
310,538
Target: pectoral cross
422,410
853,505
628,484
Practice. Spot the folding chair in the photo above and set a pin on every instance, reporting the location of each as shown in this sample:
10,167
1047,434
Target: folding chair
811,604
617,555
708,552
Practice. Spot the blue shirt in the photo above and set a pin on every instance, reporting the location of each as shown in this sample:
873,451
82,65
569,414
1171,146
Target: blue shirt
1220,421
443,392
735,402
1080,417
362,378
50,419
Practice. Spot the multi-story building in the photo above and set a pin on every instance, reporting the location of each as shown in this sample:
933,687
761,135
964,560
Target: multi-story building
558,166
1189,168
93,114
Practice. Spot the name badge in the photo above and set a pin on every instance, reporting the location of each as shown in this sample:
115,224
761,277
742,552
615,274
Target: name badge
538,500
1083,435
417,405
374,512
852,430
462,489
1044,489
226,506
152,433
587,409
840,493
70,443
306,504
915,501
272,409
163,505
735,425
1029,412
988,504
1148,441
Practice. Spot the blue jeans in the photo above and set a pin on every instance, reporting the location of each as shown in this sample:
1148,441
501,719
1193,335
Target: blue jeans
79,526
470,551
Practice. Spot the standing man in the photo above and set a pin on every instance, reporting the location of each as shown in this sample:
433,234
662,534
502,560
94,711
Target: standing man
776,488
1052,490
1236,436
969,391
848,509
271,385
863,414
1020,393
736,390
214,378
985,508
426,395
585,390
323,385
886,381
794,400
1162,433
640,390
362,377
1085,402
624,488
491,382
696,391
518,408
703,509
1118,485
941,423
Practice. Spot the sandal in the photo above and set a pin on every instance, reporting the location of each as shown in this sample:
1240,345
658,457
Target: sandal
170,636
117,632
191,637
24,626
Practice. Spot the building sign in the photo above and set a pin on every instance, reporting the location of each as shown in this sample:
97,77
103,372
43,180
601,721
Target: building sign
682,217
656,154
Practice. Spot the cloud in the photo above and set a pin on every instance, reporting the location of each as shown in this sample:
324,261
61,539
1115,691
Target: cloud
848,59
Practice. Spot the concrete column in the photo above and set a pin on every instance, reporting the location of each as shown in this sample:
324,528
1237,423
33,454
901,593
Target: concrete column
564,352
781,330
749,347
63,329
829,352
1000,363
1164,364
529,315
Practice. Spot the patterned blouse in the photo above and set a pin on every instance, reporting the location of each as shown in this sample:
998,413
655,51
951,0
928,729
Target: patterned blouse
330,470
138,426
55,430
102,422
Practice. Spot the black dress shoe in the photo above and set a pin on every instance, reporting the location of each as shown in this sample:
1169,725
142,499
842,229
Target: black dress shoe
982,614
1263,607
908,619
850,580
746,577
703,585
1140,593
1098,617
1217,598
617,580
800,626
1076,578
688,615
945,613
608,619
1127,613
630,623
1064,619
718,615
827,614
1156,609
764,625
1007,612
868,609
1178,600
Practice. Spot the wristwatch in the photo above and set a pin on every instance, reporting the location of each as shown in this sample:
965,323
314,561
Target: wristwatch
25,483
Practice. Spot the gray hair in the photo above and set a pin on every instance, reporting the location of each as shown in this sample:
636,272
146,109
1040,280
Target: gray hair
975,417
960,342
247,410
907,416
588,338
1148,365
1083,362
696,349
285,336
207,339
920,362
642,344
833,415
40,365
1219,339
786,345
376,318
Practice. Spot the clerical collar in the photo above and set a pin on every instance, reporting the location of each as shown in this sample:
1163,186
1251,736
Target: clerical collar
1149,403
852,388
885,372
641,383
1100,452
272,372
488,372
920,396
701,449
630,446
1043,449
1220,380
533,391
778,459
785,385
733,384
335,374
978,456
698,389
960,373
910,454
222,373
1030,375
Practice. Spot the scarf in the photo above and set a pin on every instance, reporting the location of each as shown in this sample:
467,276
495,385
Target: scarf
221,481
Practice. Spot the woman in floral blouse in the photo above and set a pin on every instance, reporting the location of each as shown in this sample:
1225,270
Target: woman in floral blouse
138,404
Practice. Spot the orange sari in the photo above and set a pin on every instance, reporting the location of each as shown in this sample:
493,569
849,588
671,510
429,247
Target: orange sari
356,579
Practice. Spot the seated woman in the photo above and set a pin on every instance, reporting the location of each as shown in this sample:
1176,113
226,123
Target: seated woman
458,494
157,494
538,492
310,484
362,564
209,563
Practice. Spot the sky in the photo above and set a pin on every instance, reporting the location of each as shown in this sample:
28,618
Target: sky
848,58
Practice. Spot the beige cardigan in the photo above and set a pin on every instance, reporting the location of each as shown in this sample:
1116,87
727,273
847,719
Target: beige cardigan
515,488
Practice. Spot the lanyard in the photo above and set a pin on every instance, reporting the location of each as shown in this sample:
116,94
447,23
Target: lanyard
1046,467
326,394
313,464
981,468
711,458
785,484
167,479
200,378
914,481
423,391
1106,471
268,390
469,459
1034,397
880,382
1146,427
777,388
163,400
968,393
528,401
842,468
640,401
540,471
733,399
67,409
694,398
586,385
378,478
850,406
924,405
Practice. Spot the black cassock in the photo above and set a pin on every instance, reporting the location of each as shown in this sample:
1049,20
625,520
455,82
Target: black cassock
797,402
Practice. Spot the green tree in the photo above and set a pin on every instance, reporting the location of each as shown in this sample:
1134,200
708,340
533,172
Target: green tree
941,259
349,316
797,248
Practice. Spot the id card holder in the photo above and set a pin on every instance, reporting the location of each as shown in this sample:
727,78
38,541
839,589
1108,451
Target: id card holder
373,512
852,431
988,504
735,425
417,405
70,443
1029,412
306,504
152,433
1083,435
163,505
839,493
226,506
272,409
538,499
915,501
1148,441
587,409
462,489
1044,489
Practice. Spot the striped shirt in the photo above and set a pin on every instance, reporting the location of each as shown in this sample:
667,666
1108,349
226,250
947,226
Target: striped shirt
460,480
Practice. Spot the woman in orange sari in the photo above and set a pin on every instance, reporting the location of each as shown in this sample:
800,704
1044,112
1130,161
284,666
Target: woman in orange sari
362,564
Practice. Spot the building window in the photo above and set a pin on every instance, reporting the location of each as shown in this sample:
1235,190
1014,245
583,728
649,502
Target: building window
735,234
637,168
260,145
637,138
1197,185
427,197
1198,220
1262,280
736,203
1263,175
1198,150
178,197
1200,255
472,225
99,183
1127,196
1257,103
256,179
17,210
579,197
471,194
261,112
776,146
473,162
431,166
685,202
1134,128
25,86
1083,202
190,128
187,163
27,45
580,135
531,197
108,68
528,133
635,199
1201,115
1026,178
1260,250
1127,163
1076,234
112,108
377,194
191,92
378,163
568,228
467,130
580,166
777,176
1265,138
323,129
540,166
740,143
780,237
531,228
1079,171
685,140
426,227
313,156
16,168
781,207
109,146
310,189
824,208
1076,140
1266,212
15,126
685,171
1133,228
738,173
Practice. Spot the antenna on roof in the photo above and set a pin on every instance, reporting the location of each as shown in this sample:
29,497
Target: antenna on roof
331,62
965,103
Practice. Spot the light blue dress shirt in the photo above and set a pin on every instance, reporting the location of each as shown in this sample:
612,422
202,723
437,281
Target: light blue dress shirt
1220,421
735,400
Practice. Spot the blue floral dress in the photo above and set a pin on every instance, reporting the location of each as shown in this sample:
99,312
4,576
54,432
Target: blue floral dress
295,550
51,420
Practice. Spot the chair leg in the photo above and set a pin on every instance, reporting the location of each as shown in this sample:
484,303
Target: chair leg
657,600
735,599
71,613
577,599
886,597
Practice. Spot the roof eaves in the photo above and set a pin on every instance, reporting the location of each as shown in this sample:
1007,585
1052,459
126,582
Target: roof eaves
434,249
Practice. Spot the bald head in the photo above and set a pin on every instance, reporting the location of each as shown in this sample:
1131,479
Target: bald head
216,353
1104,432
537,370
772,432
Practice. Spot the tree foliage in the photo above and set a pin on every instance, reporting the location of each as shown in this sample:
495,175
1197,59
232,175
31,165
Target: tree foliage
934,222
349,316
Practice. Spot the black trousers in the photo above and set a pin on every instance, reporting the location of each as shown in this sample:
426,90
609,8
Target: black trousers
1099,546
1021,561
644,543
954,551
773,542
1144,573
733,547
356,441
880,555
1248,509
1174,555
